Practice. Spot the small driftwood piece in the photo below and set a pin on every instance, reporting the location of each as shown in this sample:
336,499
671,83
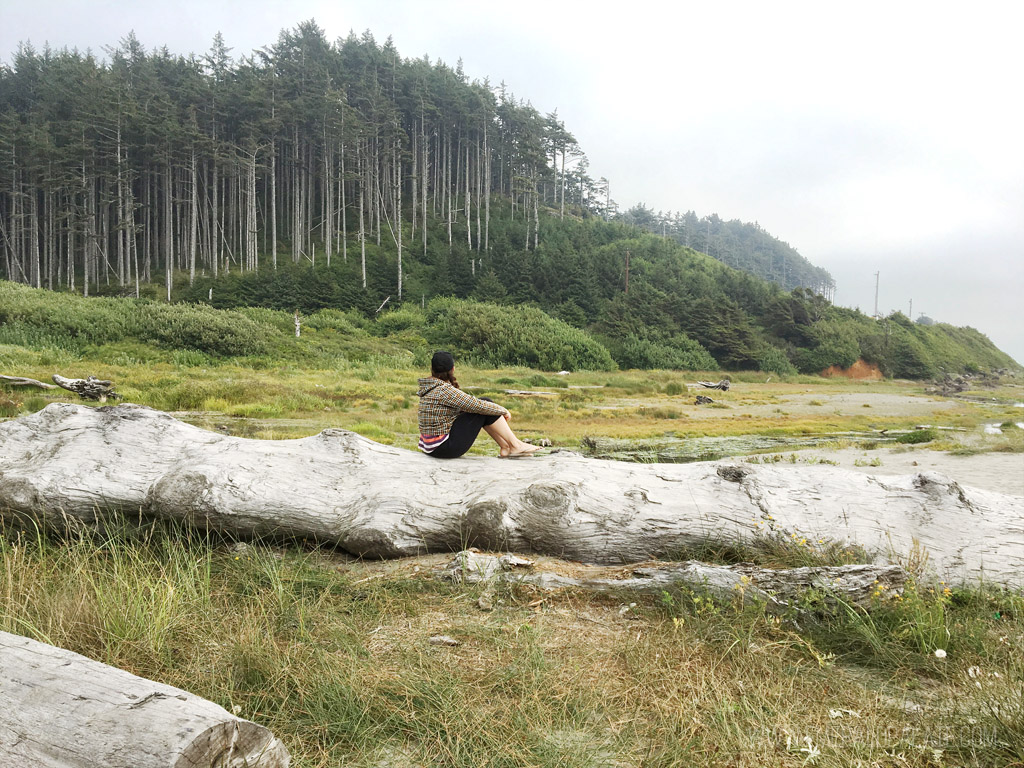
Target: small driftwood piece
703,400
60,709
21,381
859,585
722,385
90,388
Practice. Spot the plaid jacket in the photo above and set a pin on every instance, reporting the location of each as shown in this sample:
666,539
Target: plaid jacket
440,405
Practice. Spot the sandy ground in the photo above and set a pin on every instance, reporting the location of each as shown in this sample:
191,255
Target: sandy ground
1003,472
855,403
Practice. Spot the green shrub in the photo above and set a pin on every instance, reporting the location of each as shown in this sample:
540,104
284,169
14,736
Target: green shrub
336,320
40,319
774,360
512,335
917,436
195,326
398,320
675,353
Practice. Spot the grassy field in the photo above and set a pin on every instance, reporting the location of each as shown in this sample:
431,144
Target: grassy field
334,654
376,397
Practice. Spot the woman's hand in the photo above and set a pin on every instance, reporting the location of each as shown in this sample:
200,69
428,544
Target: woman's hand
508,415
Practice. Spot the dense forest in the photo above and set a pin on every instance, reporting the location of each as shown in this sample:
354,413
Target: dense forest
317,175
150,164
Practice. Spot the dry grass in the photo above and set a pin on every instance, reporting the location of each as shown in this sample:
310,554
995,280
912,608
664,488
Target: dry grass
335,657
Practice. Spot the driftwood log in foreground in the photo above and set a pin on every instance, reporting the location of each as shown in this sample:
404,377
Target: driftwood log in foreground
857,584
71,463
62,710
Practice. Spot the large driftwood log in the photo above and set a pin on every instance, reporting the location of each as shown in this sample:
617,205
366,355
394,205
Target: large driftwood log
61,710
71,463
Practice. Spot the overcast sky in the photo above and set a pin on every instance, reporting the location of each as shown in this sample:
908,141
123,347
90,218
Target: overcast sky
873,137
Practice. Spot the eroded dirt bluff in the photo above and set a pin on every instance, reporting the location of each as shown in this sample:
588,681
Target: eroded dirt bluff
859,370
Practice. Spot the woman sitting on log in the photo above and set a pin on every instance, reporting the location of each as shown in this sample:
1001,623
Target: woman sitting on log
451,419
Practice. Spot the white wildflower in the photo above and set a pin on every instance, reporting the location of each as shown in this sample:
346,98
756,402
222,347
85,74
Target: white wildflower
939,653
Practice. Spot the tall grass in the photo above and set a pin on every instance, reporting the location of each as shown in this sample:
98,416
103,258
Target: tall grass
336,658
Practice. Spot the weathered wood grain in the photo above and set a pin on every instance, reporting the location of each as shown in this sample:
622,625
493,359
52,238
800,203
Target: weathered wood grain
61,710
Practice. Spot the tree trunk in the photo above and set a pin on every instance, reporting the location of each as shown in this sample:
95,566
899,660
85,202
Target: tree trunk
327,192
362,232
63,710
251,226
398,217
469,206
168,231
378,501
487,191
216,225
414,185
425,175
193,229
273,204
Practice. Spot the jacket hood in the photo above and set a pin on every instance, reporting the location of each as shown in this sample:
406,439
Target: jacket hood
428,384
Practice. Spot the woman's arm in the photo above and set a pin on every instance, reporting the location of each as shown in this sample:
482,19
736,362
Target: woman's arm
466,402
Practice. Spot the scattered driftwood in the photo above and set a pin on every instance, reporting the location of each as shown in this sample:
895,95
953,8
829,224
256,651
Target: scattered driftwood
20,381
703,400
72,464
861,585
951,384
90,388
722,385
61,709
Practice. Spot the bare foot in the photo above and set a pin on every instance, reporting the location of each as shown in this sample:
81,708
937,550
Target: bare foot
523,450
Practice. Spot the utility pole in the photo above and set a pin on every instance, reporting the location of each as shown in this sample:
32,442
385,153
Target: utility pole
911,315
876,295
627,272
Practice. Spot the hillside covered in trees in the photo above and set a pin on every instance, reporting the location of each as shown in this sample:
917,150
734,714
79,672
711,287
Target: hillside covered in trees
317,175
741,245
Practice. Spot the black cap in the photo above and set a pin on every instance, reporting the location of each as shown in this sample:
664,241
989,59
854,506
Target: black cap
442,362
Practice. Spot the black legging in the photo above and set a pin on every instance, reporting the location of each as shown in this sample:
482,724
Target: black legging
464,431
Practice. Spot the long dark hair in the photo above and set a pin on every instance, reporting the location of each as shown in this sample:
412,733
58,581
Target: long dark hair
442,366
